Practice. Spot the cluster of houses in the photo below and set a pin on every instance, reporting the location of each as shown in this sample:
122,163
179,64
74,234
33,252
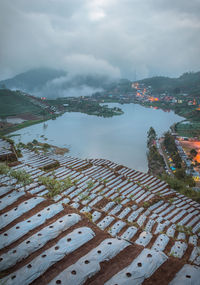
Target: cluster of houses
41,102
189,166
145,94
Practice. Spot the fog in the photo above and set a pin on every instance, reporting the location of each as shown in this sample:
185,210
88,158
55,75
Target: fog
65,86
129,39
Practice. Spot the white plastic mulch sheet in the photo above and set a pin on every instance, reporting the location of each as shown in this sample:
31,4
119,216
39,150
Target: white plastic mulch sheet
195,255
27,274
129,233
105,222
141,268
116,228
24,227
5,189
22,208
188,275
10,198
95,216
37,240
89,264
178,249
144,238
161,242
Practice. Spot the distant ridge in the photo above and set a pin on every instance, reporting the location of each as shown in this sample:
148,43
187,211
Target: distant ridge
32,79
57,83
188,82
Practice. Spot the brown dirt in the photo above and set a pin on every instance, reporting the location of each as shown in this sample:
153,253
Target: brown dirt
8,157
169,246
14,163
112,267
188,252
153,239
101,203
165,273
28,116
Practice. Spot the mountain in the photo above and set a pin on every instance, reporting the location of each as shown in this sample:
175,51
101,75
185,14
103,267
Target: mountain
54,83
187,83
32,79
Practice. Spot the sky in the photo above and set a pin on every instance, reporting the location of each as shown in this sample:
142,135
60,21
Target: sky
130,39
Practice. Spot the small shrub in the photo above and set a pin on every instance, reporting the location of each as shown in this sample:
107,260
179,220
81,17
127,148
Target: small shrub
90,184
23,178
88,215
54,186
4,169
117,200
184,229
146,205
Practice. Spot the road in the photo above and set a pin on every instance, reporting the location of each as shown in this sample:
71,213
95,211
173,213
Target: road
164,155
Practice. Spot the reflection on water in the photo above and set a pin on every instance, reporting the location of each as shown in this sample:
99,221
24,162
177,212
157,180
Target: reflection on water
121,139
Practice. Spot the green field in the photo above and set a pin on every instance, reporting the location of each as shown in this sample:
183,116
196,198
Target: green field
188,129
13,103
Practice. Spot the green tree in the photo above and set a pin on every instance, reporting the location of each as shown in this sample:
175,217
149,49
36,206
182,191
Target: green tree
151,133
193,153
151,137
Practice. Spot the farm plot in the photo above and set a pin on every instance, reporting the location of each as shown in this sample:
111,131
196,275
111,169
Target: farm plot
44,238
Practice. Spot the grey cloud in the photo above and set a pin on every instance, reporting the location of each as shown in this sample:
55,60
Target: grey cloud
114,37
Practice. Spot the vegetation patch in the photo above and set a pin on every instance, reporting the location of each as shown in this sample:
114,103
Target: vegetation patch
182,187
55,186
184,229
22,177
156,162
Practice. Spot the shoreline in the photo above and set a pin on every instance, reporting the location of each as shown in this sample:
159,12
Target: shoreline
25,124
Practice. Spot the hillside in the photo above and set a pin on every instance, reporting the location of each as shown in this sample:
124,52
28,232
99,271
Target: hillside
187,83
15,103
54,83
33,79
109,225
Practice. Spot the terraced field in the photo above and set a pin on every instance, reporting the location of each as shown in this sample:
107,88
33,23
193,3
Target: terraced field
6,151
113,225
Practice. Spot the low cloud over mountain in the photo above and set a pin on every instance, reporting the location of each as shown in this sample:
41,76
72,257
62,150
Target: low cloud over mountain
129,39
54,83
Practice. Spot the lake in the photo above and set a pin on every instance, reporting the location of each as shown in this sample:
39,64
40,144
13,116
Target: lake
121,139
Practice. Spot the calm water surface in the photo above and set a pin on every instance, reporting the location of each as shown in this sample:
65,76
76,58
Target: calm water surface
121,139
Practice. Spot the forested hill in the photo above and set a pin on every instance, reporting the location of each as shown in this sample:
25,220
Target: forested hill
187,83
54,83
32,79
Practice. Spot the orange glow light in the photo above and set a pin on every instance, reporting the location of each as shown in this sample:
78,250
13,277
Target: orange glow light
197,158
153,99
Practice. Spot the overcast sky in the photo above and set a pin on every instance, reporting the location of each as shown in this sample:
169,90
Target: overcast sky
116,37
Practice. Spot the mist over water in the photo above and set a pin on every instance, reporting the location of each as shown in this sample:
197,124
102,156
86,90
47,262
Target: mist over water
121,139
